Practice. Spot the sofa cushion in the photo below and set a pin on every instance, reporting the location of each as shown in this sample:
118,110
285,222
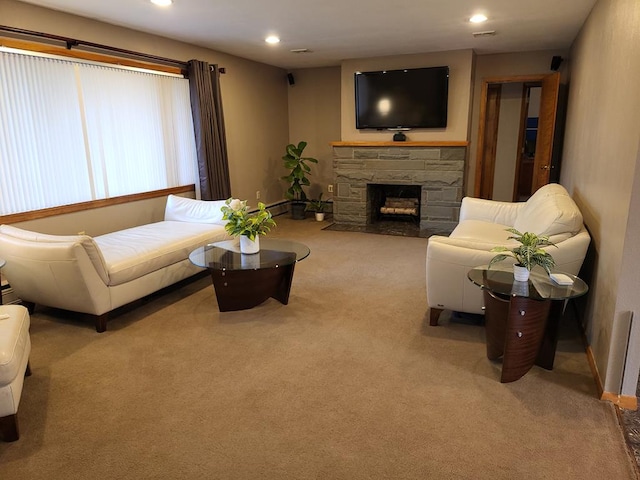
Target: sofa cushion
549,211
181,209
137,251
481,235
14,337
86,241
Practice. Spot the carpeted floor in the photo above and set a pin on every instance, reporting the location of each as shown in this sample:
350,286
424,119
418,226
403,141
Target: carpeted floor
348,381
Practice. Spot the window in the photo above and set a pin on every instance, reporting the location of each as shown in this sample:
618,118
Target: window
73,131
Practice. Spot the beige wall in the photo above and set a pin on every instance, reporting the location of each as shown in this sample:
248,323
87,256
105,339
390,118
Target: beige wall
314,116
460,67
254,99
599,161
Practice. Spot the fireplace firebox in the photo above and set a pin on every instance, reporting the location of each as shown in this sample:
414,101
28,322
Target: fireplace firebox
393,202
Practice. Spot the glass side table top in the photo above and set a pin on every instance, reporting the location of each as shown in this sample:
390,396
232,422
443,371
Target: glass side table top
2,262
226,255
499,280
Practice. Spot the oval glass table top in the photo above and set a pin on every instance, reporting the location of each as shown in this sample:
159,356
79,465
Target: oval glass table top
226,255
499,280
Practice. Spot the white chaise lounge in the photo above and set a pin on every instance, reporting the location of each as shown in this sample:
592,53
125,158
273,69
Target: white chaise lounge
95,275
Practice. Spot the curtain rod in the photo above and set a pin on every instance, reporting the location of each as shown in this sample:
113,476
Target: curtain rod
72,42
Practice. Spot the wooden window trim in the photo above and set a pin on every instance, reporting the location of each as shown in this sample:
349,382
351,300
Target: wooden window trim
84,55
78,207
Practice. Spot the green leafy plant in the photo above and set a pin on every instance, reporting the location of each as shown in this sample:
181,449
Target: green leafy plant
317,205
297,178
241,222
529,253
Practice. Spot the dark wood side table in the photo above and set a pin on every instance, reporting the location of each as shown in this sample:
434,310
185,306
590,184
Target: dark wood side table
243,281
522,318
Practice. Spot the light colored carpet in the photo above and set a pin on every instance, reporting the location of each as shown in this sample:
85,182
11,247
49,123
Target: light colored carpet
346,382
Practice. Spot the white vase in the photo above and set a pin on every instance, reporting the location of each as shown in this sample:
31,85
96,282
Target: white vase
249,246
319,216
520,274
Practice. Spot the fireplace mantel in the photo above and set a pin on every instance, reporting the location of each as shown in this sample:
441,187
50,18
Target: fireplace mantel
452,143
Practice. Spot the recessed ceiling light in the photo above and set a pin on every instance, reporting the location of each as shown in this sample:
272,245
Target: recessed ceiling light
162,3
478,18
272,39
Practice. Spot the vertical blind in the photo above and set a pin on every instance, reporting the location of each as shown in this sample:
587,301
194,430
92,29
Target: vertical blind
73,132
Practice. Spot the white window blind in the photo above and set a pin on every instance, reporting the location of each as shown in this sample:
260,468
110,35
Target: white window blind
73,132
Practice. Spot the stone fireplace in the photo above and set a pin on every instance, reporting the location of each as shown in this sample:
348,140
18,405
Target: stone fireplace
429,171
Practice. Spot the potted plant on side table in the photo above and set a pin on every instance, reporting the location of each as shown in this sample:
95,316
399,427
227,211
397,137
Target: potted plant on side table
318,206
297,178
527,255
249,227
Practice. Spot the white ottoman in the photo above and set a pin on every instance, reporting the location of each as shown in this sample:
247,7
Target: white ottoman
15,347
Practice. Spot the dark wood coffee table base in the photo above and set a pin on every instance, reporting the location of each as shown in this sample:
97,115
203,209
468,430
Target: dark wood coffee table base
243,289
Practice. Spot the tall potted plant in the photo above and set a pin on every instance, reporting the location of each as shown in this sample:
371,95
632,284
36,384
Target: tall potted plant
297,178
527,255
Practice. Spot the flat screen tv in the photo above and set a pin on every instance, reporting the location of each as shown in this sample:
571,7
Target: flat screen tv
402,99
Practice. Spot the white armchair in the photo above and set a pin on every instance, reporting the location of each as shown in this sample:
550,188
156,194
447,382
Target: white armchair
482,226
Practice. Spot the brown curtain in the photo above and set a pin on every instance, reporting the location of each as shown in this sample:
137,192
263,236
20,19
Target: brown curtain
208,123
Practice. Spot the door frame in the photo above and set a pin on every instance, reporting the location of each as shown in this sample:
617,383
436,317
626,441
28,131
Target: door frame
482,189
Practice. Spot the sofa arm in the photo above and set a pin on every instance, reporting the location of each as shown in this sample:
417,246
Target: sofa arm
504,213
56,274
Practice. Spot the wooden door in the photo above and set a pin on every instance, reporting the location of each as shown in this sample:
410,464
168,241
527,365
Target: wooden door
546,129
487,137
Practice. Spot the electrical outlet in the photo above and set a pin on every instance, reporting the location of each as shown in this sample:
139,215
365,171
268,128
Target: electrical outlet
258,195
330,188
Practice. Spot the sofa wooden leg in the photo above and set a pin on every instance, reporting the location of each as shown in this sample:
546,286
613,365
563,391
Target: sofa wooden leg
434,315
27,372
30,306
101,322
9,428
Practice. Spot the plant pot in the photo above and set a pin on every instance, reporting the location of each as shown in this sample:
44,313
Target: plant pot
249,246
298,210
319,216
520,273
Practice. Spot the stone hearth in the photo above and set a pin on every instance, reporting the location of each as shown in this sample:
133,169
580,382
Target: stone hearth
437,168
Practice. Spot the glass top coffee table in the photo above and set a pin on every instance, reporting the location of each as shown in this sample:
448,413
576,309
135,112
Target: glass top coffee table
243,281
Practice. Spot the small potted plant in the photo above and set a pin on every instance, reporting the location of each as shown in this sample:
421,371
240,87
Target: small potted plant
247,226
527,255
297,178
318,206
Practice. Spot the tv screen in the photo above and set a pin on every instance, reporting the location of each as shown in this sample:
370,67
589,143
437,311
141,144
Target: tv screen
408,98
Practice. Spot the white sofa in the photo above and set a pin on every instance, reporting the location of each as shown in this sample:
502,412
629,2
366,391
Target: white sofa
482,226
95,275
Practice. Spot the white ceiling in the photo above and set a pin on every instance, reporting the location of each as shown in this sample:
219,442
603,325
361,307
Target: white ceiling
334,30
